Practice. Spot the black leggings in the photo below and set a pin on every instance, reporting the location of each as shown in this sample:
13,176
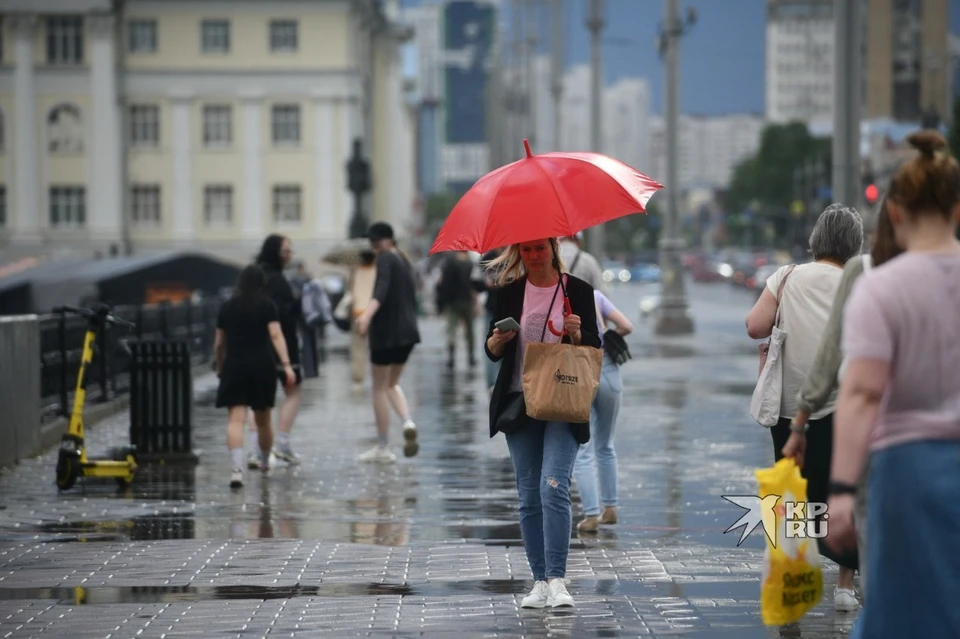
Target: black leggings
816,470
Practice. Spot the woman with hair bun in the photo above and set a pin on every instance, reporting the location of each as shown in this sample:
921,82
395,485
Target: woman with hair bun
900,399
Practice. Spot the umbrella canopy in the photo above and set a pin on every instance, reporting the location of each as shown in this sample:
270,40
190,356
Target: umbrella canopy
546,195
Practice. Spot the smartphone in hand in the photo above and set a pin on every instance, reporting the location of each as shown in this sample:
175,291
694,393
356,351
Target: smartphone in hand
508,324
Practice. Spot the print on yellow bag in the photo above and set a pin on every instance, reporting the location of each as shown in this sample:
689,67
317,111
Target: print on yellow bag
792,581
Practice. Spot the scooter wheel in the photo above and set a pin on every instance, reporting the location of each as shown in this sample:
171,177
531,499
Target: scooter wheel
68,469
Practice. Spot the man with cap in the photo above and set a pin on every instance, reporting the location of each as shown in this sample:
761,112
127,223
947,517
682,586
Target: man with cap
580,263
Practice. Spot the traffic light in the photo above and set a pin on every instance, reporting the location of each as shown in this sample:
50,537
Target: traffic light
871,193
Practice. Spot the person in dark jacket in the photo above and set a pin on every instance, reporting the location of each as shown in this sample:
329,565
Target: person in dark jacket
247,343
532,281
390,320
275,253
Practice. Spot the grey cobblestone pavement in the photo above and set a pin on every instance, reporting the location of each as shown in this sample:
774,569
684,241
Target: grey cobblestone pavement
428,547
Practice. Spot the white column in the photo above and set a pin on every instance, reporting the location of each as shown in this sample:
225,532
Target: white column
330,221
252,166
105,216
182,229
400,159
26,221
349,126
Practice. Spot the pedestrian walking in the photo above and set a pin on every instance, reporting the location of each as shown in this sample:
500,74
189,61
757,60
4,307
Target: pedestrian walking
543,453
390,321
595,469
900,399
457,298
247,337
315,314
488,284
802,296
359,292
827,369
580,263
275,254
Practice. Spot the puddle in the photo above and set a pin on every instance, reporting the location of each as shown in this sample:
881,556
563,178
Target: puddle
100,595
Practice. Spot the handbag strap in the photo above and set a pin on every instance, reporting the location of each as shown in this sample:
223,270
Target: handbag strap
543,333
783,283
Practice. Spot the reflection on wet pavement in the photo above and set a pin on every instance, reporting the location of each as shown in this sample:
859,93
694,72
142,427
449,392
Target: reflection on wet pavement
683,439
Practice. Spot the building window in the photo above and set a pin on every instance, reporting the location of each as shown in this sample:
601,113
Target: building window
218,204
145,203
144,125
64,40
68,206
286,124
217,125
287,202
215,36
143,36
283,36
3,205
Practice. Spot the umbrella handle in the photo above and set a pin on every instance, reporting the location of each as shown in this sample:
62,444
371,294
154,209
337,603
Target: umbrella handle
567,310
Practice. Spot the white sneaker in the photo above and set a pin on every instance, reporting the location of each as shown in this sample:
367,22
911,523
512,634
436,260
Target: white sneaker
411,447
378,454
537,597
557,595
253,461
236,479
845,600
286,455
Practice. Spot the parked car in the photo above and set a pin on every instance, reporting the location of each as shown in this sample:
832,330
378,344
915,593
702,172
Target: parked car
645,272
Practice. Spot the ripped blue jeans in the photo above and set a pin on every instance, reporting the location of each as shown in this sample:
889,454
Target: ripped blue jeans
543,456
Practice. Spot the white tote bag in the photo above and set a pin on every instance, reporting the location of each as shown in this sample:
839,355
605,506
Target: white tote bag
765,403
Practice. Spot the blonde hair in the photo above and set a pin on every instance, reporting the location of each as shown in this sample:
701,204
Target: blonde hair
508,267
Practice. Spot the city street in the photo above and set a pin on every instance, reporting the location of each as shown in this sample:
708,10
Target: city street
429,546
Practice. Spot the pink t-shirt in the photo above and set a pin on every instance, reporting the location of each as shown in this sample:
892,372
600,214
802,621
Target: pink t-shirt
536,303
907,312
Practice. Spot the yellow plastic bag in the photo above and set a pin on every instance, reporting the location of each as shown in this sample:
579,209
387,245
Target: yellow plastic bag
792,581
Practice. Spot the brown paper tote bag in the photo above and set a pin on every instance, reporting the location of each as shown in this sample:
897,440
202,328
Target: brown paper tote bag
560,380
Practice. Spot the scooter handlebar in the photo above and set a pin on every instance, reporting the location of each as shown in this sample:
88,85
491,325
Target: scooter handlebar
88,313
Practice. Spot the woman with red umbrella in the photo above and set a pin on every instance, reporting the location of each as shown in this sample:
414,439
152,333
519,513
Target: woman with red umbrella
535,291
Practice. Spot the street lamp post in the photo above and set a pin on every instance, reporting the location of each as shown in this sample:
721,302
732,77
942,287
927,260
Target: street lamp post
673,316
595,23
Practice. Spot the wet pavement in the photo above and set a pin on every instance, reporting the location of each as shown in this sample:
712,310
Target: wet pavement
429,546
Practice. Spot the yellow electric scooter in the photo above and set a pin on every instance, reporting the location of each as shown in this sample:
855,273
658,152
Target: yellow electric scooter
73,461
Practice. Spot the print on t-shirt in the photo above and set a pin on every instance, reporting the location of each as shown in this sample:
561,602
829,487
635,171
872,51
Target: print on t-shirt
533,327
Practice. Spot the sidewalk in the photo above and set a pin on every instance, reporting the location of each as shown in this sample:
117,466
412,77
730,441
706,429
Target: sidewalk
429,546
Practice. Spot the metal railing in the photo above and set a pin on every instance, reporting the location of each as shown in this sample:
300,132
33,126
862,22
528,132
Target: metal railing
61,343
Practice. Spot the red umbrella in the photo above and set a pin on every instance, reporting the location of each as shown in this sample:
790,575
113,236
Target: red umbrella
547,195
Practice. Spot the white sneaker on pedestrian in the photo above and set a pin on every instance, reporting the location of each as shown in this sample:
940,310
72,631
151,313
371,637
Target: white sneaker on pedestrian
287,455
236,478
411,447
537,597
557,595
378,454
253,461
845,600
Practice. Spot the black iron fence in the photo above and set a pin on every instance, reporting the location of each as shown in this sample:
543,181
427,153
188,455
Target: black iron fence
61,344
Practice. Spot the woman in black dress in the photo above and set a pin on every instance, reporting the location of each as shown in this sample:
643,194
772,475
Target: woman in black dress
275,255
390,319
248,334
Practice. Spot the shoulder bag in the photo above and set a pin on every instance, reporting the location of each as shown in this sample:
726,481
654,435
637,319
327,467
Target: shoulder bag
765,403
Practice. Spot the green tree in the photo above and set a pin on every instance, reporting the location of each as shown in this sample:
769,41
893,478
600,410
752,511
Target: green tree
438,207
769,179
633,233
